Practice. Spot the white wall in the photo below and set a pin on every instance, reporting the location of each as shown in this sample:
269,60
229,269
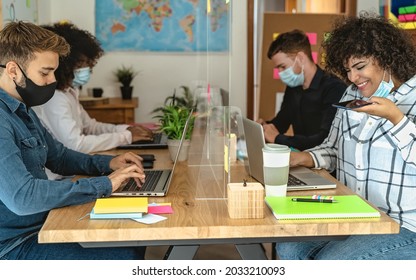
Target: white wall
161,72
368,5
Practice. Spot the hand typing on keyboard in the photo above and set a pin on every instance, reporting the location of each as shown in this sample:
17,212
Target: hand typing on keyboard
126,166
119,177
140,133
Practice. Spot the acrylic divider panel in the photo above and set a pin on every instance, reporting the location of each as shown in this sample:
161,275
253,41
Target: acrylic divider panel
214,160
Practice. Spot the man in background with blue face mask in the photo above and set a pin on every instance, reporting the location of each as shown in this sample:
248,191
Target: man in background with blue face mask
64,116
309,94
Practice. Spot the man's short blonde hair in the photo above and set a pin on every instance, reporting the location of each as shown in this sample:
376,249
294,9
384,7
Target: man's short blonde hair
19,41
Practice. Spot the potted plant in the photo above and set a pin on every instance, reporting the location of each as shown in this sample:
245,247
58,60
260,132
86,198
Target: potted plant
186,100
125,76
172,122
172,118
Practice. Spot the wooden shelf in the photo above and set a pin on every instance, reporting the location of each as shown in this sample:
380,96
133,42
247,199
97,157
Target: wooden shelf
116,110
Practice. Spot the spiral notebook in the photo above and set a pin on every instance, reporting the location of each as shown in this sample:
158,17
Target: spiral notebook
347,206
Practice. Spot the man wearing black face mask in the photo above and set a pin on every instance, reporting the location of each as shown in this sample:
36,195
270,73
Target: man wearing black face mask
29,55
31,93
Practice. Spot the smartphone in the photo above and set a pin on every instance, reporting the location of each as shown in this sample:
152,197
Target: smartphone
148,160
147,164
147,157
352,104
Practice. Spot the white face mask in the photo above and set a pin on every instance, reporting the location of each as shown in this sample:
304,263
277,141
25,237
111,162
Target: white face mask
290,78
384,88
81,76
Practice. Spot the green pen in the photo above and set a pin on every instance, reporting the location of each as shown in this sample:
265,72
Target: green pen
296,199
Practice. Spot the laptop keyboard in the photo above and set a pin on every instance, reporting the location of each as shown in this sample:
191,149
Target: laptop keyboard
152,176
293,181
157,137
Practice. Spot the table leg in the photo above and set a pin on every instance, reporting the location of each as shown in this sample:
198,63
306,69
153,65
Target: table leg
181,252
251,251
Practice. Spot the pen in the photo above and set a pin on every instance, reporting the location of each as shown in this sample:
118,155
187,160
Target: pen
313,200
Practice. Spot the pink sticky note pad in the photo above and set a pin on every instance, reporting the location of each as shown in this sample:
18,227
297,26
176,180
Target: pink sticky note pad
312,38
315,57
276,74
160,209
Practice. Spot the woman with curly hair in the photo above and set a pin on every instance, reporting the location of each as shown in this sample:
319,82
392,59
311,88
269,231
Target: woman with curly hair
64,116
372,148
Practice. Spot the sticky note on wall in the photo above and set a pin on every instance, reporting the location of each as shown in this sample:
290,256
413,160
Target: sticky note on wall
276,74
275,36
315,57
312,38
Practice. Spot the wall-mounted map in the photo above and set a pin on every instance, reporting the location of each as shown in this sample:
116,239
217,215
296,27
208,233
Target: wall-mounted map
163,25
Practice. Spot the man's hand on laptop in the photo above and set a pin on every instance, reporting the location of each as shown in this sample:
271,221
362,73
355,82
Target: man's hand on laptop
125,160
301,159
260,121
122,175
270,132
140,133
126,166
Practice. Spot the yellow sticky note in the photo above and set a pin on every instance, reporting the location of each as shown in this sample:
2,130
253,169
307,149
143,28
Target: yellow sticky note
275,35
226,158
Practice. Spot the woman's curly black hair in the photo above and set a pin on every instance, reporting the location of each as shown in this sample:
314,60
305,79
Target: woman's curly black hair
370,35
84,46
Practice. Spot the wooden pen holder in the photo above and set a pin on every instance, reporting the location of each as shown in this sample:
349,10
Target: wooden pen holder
245,201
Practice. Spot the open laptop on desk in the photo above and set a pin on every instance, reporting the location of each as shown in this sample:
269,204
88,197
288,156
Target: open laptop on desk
160,141
157,181
300,178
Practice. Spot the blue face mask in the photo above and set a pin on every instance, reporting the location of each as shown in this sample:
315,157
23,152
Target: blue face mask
290,78
81,76
384,88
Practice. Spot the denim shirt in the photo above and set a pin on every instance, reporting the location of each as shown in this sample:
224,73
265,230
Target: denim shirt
26,195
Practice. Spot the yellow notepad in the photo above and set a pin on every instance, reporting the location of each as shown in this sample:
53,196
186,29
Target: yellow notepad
121,205
347,206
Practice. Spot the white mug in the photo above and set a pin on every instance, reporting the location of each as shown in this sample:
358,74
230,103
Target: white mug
276,169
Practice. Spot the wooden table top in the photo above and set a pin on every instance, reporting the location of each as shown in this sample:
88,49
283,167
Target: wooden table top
200,213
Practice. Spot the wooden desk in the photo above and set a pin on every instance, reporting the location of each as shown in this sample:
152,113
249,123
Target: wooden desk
197,221
117,111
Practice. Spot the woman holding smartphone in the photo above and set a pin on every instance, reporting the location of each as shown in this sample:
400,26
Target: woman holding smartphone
372,148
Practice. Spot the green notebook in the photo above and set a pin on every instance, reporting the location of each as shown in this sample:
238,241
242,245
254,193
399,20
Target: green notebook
347,206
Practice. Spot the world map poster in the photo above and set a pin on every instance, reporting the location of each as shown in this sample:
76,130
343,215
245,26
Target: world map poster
163,25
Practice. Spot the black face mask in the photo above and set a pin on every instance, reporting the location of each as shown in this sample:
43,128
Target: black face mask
32,94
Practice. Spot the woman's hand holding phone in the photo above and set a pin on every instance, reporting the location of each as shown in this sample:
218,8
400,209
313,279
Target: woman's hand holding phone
383,108
352,104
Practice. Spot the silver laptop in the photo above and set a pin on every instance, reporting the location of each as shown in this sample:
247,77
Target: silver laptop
300,178
157,181
159,141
